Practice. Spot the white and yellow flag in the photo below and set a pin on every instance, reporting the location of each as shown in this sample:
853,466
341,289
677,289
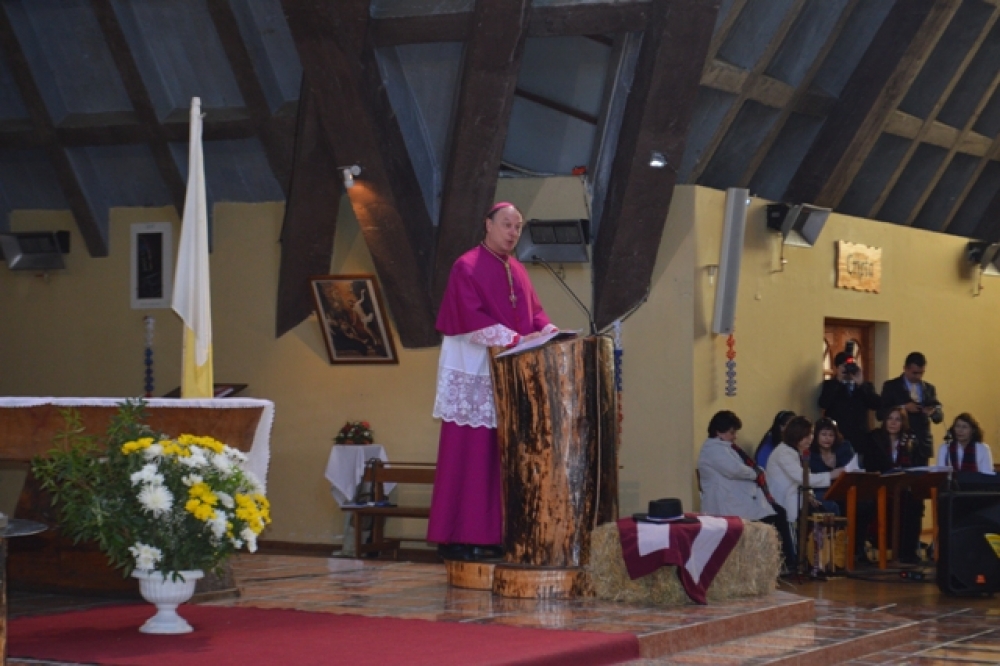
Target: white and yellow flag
192,296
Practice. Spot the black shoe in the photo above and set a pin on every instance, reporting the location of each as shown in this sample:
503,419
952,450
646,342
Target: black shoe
486,553
453,551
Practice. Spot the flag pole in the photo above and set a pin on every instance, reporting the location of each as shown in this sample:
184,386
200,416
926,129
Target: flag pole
192,299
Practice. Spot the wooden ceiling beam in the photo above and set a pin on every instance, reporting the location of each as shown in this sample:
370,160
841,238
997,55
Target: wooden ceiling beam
357,120
588,19
720,35
991,153
928,124
657,116
961,143
751,82
485,99
549,103
874,90
149,130
988,228
599,18
44,129
767,90
800,98
16,135
310,216
275,133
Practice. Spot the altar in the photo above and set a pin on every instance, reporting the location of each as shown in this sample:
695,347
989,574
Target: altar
27,428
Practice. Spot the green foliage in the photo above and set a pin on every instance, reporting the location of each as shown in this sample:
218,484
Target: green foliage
150,501
355,432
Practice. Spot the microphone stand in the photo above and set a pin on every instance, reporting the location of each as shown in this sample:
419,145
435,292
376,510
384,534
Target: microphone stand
590,318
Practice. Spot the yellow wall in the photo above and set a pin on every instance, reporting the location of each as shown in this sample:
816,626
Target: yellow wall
74,333
926,304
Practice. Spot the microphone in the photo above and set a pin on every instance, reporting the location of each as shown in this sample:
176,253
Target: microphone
590,318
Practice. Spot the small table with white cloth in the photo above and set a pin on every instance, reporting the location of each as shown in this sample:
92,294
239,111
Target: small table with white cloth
345,470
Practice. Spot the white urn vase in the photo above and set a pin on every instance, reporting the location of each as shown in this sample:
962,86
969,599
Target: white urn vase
166,594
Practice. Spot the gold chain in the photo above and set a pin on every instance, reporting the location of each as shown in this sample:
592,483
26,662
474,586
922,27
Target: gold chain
510,278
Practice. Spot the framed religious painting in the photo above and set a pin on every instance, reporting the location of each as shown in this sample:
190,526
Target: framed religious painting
352,319
150,265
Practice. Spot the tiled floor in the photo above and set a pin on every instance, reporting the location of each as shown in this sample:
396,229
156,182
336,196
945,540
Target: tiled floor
855,622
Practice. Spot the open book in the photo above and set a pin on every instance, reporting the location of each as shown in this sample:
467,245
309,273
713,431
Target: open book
533,343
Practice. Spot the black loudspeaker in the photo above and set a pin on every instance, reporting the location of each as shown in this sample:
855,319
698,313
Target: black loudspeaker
968,564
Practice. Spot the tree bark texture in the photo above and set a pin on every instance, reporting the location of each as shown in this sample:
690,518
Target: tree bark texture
558,434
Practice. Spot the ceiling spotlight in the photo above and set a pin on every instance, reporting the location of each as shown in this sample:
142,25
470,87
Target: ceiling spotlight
349,173
657,160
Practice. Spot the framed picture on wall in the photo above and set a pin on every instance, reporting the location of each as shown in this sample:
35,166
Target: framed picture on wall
352,319
151,265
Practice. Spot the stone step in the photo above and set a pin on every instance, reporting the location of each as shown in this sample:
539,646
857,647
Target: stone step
699,626
835,637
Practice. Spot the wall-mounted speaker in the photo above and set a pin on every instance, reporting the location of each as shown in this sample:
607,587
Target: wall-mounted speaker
968,563
984,255
730,255
34,250
799,225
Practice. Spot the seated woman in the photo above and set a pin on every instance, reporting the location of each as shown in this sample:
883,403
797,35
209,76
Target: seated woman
966,451
784,467
890,447
829,451
772,437
734,485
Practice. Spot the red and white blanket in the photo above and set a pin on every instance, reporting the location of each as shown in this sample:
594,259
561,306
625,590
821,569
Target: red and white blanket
697,549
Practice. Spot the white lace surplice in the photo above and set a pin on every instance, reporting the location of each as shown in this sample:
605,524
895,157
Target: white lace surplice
464,388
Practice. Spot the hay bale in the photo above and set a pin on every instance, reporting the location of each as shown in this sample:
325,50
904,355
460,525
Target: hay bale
751,570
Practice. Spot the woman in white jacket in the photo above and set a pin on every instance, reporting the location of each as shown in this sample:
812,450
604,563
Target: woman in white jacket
964,451
784,467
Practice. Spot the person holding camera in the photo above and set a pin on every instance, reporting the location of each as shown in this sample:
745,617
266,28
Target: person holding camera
919,398
847,397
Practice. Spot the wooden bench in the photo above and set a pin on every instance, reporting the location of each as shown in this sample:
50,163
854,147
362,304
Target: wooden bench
379,473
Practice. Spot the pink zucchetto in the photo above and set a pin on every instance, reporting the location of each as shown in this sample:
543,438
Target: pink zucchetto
498,206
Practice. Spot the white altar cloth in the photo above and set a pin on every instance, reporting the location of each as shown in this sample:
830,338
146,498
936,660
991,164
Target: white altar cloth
259,456
346,467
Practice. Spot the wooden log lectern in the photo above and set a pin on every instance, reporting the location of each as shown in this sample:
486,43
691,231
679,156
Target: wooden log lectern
557,427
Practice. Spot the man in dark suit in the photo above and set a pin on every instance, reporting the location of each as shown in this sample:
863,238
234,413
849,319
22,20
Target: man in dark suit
847,398
920,401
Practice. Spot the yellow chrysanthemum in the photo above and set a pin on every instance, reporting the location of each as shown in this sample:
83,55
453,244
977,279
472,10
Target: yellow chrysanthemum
137,445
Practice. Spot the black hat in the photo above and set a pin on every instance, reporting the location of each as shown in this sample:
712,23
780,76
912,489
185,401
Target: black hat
668,510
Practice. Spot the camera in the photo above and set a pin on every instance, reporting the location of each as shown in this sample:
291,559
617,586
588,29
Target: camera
851,367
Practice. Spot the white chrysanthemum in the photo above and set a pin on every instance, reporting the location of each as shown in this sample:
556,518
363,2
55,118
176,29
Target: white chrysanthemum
226,499
223,464
191,480
148,474
218,524
236,455
153,451
196,460
156,499
237,544
250,538
255,485
145,556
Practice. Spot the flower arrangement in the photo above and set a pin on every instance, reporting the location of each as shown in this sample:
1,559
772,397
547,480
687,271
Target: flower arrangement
355,432
150,501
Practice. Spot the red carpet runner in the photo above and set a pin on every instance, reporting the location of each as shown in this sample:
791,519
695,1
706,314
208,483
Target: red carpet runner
263,636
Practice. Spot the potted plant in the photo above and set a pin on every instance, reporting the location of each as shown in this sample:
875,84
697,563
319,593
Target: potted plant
163,509
355,432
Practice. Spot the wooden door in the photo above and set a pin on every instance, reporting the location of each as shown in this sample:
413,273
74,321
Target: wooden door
838,335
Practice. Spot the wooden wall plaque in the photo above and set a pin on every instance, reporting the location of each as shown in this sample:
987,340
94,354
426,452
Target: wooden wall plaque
859,267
